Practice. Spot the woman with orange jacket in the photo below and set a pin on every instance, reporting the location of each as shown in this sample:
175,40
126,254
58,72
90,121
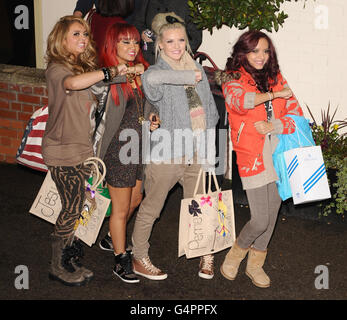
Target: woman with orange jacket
257,98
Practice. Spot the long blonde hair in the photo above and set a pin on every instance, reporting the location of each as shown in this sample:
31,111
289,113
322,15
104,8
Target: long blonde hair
160,24
56,51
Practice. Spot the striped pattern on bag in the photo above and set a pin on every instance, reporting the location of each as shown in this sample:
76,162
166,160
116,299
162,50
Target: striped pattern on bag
29,152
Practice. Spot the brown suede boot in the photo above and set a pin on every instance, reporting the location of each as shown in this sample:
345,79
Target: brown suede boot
232,261
62,268
254,269
77,253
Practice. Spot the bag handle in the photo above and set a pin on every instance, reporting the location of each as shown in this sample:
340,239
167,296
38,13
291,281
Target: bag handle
203,56
297,133
202,173
100,175
213,174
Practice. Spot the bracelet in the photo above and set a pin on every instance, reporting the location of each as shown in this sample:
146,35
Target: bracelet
129,66
107,74
110,73
113,72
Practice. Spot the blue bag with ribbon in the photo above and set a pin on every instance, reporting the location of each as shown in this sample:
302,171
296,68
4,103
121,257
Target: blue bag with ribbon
302,137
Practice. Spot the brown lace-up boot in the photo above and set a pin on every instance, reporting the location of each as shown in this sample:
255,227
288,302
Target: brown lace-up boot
62,268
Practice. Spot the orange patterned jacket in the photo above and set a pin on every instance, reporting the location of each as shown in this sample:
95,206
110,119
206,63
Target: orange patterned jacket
239,101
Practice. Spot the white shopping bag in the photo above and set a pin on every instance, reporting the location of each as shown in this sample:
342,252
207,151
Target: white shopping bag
307,176
47,206
207,223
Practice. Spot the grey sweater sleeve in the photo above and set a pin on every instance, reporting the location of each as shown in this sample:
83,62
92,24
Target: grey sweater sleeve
154,81
174,77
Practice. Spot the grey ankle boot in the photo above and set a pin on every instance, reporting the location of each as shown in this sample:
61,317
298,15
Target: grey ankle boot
62,268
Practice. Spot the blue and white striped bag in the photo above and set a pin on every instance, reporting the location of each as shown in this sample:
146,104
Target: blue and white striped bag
307,175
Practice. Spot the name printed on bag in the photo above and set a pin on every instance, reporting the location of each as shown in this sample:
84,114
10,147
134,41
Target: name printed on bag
48,203
198,235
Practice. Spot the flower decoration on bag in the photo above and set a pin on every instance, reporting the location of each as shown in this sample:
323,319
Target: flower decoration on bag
194,208
88,208
89,189
84,217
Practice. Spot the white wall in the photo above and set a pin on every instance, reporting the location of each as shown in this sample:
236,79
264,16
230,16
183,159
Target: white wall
47,13
311,48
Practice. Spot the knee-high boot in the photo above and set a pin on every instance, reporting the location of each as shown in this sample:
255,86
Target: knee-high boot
62,268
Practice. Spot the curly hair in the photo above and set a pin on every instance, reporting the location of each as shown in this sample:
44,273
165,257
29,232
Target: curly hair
244,45
108,56
57,52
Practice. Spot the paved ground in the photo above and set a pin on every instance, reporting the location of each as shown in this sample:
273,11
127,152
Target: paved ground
300,249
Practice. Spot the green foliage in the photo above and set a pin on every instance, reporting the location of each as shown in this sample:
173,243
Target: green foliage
334,149
254,14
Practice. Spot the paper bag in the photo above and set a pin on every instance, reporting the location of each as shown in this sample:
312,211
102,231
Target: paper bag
47,206
207,222
307,176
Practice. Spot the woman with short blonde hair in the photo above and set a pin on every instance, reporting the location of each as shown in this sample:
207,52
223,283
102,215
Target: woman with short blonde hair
178,87
160,24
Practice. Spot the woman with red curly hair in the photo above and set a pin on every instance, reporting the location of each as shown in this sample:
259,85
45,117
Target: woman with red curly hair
258,99
126,110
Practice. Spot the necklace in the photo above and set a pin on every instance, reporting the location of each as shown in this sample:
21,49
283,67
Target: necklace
139,105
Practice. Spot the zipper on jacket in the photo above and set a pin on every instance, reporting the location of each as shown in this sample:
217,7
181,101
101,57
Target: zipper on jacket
255,164
239,132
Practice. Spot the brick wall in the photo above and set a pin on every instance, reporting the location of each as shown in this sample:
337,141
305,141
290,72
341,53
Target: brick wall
22,92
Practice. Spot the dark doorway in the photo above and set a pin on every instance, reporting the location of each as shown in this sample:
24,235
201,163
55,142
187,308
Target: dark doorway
18,32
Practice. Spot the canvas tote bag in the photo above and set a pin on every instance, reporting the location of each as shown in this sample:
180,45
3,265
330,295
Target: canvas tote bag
47,204
207,223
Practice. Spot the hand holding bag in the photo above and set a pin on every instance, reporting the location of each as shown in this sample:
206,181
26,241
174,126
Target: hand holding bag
207,223
47,204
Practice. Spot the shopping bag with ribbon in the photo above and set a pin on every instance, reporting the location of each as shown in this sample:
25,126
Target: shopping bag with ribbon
103,190
207,223
47,204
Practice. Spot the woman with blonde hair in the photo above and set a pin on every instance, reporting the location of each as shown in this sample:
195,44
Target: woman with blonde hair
178,87
67,141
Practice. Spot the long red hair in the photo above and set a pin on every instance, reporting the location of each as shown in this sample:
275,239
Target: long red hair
108,56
